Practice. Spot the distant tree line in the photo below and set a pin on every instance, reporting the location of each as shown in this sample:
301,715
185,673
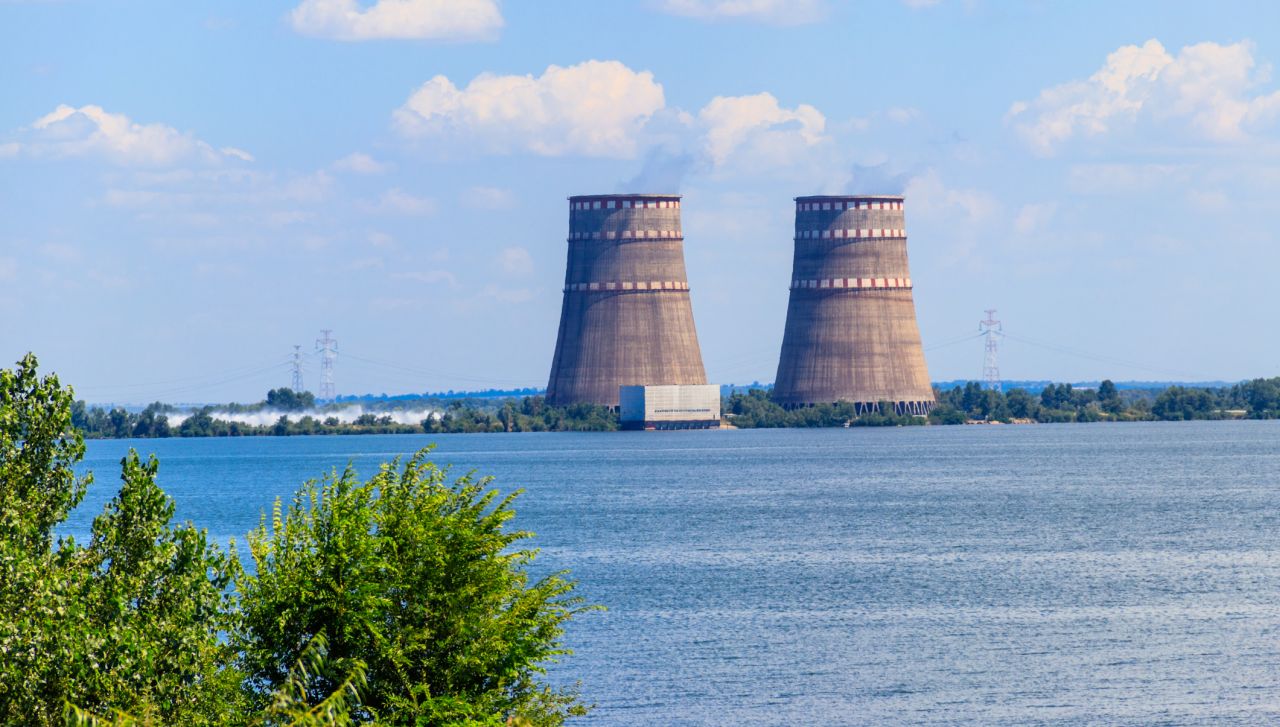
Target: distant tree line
1256,399
755,409
529,414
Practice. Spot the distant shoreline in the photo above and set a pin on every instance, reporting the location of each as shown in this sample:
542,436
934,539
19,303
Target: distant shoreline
288,413
724,427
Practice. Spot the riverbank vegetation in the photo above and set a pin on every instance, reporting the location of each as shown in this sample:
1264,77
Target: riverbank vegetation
1257,399
400,600
755,410
292,413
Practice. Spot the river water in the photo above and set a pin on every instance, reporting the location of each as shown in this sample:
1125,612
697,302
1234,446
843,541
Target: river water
1050,574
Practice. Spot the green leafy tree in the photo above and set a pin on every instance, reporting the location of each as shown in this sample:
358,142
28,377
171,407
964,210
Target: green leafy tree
129,622
507,416
1107,391
289,706
1021,404
286,399
152,422
403,600
1049,397
417,580
974,400
1079,398
1109,398
946,414
199,424
292,703
1261,397
39,449
1178,402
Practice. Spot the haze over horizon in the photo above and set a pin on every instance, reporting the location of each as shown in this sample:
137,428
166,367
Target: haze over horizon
189,189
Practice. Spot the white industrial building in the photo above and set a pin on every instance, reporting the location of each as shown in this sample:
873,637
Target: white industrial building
674,406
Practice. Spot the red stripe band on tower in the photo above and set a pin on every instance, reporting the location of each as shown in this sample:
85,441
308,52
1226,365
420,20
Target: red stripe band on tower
627,285
628,235
845,234
849,205
852,283
624,204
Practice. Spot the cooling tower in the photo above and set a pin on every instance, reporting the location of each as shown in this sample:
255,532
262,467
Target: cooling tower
626,317
851,330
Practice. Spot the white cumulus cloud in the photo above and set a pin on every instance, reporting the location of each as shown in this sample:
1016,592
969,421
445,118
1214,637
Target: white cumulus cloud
1034,217
489,198
1208,89
773,12
360,163
396,201
235,153
1125,178
606,109
91,131
963,216
515,261
430,277
930,197
61,252
398,19
759,127
594,108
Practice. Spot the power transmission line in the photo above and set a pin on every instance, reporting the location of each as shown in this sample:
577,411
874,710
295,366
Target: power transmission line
296,384
184,381
205,385
437,374
991,328
1105,359
327,346
954,341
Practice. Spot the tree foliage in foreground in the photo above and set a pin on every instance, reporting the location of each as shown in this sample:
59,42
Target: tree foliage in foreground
401,600
291,704
128,621
418,580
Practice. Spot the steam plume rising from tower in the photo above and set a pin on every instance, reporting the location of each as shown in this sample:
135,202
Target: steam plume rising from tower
626,317
851,330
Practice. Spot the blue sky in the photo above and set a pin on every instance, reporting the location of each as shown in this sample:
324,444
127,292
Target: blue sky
187,189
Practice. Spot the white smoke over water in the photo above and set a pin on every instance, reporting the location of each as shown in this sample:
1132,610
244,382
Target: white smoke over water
346,415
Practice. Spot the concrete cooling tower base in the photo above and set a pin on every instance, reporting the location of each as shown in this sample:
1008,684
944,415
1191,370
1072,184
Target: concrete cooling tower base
817,367
623,338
